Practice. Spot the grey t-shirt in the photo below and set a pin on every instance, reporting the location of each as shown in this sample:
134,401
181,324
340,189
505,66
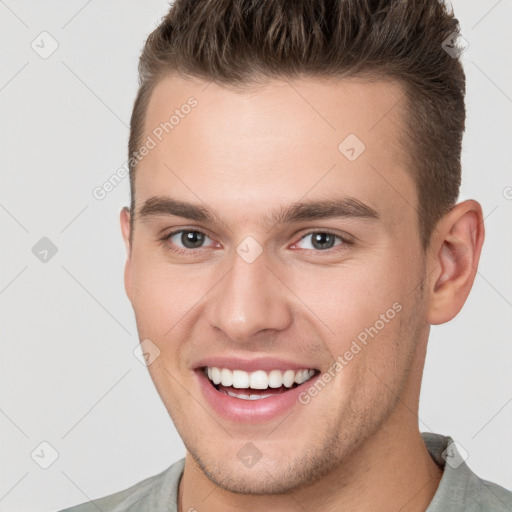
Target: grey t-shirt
460,490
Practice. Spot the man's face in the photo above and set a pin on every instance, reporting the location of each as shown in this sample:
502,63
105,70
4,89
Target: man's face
258,288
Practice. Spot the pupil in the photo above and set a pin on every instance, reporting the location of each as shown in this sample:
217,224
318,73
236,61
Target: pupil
192,239
323,241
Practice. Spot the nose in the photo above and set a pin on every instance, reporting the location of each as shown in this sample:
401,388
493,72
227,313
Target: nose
250,299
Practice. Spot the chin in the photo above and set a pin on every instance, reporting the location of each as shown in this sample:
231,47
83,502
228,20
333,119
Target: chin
266,477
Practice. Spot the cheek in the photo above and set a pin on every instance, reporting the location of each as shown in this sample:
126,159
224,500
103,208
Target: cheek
163,294
347,298
359,309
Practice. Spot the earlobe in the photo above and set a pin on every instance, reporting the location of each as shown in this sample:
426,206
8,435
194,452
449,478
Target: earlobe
454,257
124,218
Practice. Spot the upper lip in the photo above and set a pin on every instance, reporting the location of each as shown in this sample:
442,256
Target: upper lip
251,365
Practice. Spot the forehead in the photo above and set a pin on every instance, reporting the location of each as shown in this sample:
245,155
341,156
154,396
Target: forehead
277,142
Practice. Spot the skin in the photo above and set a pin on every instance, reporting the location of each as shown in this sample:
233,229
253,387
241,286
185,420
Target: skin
356,446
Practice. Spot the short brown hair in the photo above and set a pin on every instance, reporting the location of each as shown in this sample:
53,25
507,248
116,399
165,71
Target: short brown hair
241,42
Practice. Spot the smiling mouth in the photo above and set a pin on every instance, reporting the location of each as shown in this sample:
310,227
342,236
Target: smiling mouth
256,385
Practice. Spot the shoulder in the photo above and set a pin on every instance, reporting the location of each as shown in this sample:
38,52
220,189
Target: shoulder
156,493
490,496
460,488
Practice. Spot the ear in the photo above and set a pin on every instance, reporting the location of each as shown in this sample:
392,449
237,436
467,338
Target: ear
454,253
125,230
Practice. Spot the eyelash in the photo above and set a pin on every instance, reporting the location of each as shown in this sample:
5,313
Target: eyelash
179,250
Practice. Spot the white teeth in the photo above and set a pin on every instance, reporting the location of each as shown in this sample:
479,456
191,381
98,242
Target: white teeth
240,379
303,375
289,378
245,397
275,379
226,377
215,375
258,379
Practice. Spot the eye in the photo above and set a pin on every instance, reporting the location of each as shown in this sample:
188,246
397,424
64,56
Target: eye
321,241
186,240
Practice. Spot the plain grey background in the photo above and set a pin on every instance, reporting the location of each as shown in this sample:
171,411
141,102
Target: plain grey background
69,376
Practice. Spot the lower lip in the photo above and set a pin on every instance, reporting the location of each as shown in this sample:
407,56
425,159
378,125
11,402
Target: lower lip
250,411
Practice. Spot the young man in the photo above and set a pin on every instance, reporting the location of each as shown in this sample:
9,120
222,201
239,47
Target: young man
292,235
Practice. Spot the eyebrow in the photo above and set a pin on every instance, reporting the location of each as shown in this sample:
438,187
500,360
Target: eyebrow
345,207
